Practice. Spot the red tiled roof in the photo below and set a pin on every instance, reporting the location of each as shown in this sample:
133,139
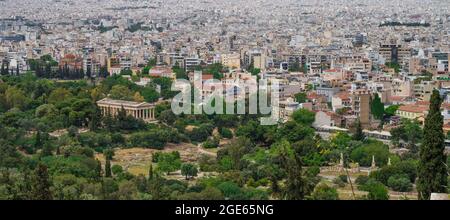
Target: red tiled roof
207,76
343,95
413,108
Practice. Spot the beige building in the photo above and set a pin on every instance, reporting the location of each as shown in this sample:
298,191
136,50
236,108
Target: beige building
341,100
259,62
403,88
424,89
413,111
395,53
361,106
232,61
139,110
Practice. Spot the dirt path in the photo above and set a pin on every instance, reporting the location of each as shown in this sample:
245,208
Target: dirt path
203,151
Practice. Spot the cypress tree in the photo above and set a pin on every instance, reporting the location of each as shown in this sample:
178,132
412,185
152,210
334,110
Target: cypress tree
297,185
377,107
7,69
3,68
27,187
46,150
98,169
38,140
94,123
150,172
432,172
41,184
108,168
358,135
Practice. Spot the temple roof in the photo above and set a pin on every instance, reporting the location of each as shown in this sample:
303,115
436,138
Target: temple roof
108,101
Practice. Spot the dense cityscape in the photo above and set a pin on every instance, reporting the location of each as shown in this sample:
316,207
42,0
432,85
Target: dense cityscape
87,90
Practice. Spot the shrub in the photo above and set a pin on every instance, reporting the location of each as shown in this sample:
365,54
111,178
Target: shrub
325,192
361,180
313,171
263,182
400,183
363,155
338,181
211,143
116,169
406,168
344,178
226,133
377,191
207,163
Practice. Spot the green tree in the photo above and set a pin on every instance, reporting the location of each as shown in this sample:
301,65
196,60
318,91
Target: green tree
391,110
304,116
59,95
46,150
41,184
121,92
432,170
167,117
150,94
301,97
108,168
358,135
109,154
98,169
169,162
180,72
38,142
325,192
394,66
15,98
150,172
297,185
377,107
189,170
116,169
400,183
95,119
3,70
377,191
363,154
410,131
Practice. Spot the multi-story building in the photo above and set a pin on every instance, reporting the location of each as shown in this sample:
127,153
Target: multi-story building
232,61
424,89
394,53
361,106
